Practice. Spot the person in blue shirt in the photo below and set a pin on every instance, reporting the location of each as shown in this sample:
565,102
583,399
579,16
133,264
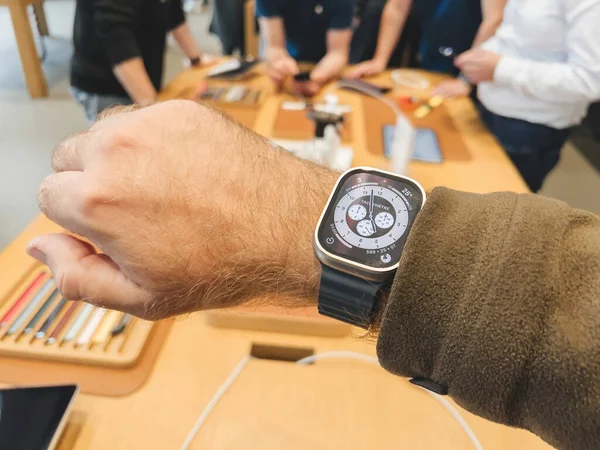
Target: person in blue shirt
317,31
447,29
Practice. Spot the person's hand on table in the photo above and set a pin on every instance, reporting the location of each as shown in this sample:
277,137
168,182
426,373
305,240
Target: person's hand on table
367,68
203,61
207,60
190,210
478,65
453,88
309,87
280,66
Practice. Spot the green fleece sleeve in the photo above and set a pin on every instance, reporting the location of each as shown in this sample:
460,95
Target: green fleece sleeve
497,298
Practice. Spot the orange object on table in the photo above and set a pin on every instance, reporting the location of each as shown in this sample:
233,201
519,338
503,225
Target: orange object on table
407,103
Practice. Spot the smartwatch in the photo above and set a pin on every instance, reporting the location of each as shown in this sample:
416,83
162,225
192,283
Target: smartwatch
359,241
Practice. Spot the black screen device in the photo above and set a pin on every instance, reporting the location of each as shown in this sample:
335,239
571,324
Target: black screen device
302,77
244,67
33,418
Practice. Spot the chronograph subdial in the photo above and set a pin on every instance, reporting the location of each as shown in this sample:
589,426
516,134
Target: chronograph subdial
357,212
365,228
384,220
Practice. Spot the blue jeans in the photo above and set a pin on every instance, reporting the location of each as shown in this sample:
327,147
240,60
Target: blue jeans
533,148
94,104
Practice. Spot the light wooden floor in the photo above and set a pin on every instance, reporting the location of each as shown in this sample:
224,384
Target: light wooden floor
29,130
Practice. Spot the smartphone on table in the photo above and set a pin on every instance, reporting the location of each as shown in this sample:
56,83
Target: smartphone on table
33,418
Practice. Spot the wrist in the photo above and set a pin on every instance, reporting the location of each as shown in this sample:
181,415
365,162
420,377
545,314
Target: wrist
275,53
381,61
146,100
312,187
463,78
264,251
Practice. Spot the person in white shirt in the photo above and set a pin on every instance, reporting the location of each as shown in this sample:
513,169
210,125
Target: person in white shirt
536,78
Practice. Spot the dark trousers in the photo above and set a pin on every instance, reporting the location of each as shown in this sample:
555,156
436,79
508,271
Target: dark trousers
533,148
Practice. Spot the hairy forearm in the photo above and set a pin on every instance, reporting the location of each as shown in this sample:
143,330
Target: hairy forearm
186,41
393,19
279,266
332,64
134,78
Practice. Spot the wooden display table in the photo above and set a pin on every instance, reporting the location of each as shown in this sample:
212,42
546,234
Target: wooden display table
335,404
489,169
32,68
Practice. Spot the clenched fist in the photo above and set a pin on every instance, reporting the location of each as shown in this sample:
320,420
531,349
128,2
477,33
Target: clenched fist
188,209
280,65
478,65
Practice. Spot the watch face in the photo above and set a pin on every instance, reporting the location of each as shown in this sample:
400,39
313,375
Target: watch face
368,218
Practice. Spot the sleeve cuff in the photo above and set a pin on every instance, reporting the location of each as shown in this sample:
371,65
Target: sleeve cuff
120,49
464,311
506,70
176,23
178,16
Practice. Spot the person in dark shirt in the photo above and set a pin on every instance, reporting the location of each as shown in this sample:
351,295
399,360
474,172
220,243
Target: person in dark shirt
119,48
317,31
447,29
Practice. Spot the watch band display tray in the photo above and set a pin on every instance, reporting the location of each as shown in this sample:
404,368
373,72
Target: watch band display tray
17,340
116,367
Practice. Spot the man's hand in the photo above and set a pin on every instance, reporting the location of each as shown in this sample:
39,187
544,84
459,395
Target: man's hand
478,65
308,88
367,68
280,65
207,60
189,209
453,88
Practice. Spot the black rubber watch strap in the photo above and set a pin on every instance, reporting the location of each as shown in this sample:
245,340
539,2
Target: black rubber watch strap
348,298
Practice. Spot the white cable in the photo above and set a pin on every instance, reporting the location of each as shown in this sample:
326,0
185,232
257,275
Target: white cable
372,360
311,359
213,401
460,419
372,92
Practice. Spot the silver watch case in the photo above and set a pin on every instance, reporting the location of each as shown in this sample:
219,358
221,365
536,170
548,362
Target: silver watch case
346,265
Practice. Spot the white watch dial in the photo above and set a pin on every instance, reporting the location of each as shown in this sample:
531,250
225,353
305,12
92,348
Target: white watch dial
357,212
365,228
371,217
384,220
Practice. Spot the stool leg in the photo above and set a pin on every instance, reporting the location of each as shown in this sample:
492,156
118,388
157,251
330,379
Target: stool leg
36,83
40,17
